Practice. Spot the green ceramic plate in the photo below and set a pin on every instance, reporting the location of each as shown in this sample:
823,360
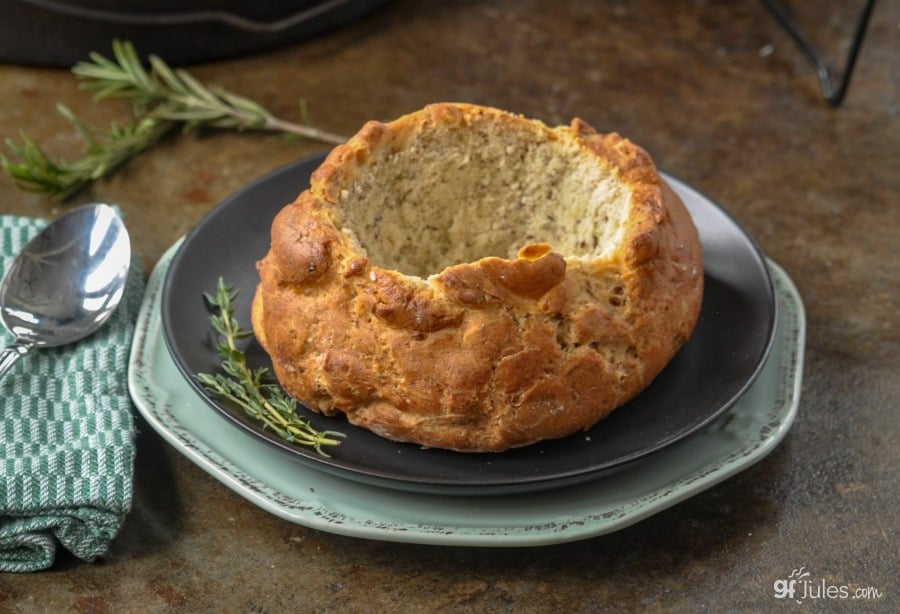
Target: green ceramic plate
296,491
720,360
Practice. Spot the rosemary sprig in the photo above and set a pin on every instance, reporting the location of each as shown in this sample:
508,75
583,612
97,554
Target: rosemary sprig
162,99
104,152
252,389
175,95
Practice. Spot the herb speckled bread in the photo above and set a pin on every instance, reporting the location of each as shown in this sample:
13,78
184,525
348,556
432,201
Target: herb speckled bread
466,278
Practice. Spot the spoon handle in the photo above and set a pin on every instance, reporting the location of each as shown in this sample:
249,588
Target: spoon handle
11,354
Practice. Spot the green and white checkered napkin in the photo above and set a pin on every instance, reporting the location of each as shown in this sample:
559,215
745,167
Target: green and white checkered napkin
66,434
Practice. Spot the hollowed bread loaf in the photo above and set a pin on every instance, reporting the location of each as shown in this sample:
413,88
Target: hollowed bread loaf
466,278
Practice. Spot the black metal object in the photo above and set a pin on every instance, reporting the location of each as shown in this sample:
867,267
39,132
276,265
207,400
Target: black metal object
834,93
63,32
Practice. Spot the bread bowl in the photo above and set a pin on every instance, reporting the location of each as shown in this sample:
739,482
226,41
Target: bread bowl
466,278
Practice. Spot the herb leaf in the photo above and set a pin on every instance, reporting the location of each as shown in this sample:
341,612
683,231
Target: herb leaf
104,152
253,389
162,98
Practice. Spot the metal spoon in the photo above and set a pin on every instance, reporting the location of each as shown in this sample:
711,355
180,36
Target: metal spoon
66,282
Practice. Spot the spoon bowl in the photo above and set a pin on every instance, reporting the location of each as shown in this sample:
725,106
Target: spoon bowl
66,283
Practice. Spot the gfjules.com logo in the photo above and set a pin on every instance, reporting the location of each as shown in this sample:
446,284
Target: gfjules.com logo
799,586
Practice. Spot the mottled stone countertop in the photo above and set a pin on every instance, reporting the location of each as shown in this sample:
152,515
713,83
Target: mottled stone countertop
721,98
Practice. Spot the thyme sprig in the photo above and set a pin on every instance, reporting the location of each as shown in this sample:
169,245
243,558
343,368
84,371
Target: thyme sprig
253,389
162,99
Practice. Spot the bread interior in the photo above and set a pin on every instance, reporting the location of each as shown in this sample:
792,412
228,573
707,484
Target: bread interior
450,195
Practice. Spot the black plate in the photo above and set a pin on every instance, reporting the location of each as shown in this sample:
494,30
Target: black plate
722,358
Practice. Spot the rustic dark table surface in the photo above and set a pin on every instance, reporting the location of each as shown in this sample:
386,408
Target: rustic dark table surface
721,98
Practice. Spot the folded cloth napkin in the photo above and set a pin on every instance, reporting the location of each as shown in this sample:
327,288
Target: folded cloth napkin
66,434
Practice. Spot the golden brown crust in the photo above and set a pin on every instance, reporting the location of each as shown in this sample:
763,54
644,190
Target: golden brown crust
485,355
